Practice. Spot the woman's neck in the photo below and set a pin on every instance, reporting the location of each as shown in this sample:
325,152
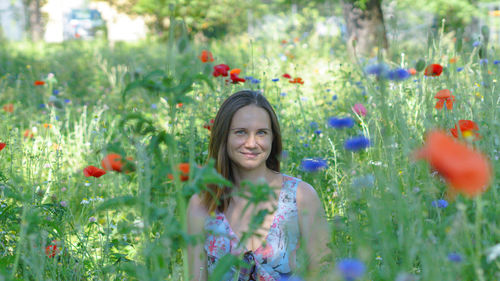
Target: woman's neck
254,176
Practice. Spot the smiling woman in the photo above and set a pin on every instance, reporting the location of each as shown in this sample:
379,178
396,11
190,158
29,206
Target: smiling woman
246,145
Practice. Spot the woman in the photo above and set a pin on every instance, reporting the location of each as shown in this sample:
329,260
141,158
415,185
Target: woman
246,145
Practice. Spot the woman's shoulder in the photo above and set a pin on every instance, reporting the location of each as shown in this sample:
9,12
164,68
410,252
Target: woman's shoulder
196,208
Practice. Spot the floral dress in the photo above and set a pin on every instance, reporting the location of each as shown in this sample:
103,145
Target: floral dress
270,262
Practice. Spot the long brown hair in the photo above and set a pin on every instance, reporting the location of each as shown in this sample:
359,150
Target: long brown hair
219,197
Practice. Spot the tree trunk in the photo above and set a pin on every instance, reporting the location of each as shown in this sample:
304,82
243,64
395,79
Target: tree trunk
365,28
34,22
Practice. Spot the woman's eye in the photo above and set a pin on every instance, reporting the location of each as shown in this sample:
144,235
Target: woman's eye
240,132
262,132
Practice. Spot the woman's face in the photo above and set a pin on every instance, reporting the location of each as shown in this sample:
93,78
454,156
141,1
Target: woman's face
250,138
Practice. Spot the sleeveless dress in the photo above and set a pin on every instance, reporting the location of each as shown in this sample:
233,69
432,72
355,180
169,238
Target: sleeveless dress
273,260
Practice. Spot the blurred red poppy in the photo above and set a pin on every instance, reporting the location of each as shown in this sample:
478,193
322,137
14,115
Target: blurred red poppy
235,71
39,83
8,108
179,105
51,250
297,80
209,126
184,169
466,170
92,171
220,69
206,56
433,70
444,96
235,79
468,129
287,76
112,162
2,145
28,134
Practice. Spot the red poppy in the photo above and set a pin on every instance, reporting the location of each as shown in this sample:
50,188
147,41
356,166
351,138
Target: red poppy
297,80
433,70
2,145
220,69
209,126
235,79
468,128
287,76
184,169
206,56
465,169
8,108
179,105
236,71
28,134
92,171
412,71
112,162
51,250
444,96
284,41
39,83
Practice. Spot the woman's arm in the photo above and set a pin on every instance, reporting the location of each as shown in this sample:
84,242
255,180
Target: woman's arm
197,258
314,229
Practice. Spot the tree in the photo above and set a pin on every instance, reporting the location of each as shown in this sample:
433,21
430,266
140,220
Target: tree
33,18
365,26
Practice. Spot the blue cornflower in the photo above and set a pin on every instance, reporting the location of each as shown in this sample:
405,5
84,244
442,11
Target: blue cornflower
248,78
454,257
298,130
459,69
57,118
154,106
255,81
441,203
67,100
328,90
306,145
476,43
275,79
303,98
496,61
334,97
398,74
340,123
55,92
317,132
351,269
379,69
483,61
283,94
42,105
313,125
313,164
357,143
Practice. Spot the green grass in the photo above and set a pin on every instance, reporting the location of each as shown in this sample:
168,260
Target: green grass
378,201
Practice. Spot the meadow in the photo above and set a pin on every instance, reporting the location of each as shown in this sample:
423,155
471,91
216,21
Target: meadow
353,128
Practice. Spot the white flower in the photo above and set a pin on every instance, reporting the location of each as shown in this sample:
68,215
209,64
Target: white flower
84,201
493,253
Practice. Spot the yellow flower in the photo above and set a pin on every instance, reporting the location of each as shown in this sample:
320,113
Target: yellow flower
47,125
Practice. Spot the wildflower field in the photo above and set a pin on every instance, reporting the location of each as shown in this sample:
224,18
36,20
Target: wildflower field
101,147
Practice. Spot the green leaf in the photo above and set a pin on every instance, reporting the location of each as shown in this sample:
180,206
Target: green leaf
420,65
126,200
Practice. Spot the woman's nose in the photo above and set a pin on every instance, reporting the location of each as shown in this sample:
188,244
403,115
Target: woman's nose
250,141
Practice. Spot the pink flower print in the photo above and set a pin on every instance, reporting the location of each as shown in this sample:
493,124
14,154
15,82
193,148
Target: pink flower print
212,247
266,252
359,109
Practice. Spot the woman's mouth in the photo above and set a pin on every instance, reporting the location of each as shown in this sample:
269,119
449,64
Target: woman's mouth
250,155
